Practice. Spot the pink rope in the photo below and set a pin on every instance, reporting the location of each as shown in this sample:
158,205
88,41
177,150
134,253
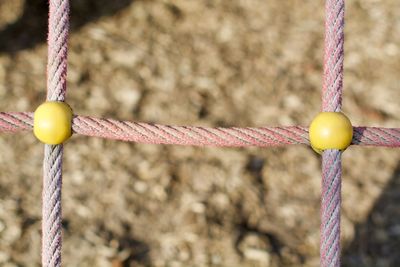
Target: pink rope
330,208
334,56
331,159
57,50
52,163
375,136
148,133
51,209
189,135
13,122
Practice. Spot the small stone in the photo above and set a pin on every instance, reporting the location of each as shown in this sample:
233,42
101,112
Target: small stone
140,187
198,207
128,97
4,257
255,248
257,255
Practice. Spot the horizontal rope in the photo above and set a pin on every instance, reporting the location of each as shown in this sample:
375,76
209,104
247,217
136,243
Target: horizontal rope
376,136
12,122
189,135
198,136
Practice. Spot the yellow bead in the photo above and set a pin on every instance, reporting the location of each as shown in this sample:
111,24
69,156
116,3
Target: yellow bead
52,122
330,130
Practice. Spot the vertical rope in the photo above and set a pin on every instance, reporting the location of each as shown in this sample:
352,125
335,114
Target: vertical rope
331,159
334,55
57,50
51,223
52,164
330,208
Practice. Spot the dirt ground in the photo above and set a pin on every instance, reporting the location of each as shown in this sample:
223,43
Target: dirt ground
203,62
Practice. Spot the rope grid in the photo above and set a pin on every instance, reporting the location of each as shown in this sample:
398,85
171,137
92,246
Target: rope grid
139,132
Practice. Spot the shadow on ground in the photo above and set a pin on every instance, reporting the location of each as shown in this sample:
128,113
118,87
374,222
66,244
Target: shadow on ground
131,251
31,28
377,240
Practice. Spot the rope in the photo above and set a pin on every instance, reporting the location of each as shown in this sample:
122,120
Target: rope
330,208
13,122
52,164
51,224
376,136
57,50
331,159
334,55
147,133
189,135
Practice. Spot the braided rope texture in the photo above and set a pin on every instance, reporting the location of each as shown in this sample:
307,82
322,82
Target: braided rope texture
51,223
334,56
147,133
189,135
330,208
57,49
52,163
331,159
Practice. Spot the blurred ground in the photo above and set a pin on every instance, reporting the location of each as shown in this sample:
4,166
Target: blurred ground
220,62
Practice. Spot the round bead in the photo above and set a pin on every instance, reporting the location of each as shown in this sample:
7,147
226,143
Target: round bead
52,122
330,130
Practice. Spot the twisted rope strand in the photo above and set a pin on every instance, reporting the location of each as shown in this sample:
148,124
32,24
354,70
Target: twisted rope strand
57,49
334,56
189,135
51,223
197,136
13,122
52,164
374,136
331,159
330,208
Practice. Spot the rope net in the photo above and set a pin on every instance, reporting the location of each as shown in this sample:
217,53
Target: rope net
139,132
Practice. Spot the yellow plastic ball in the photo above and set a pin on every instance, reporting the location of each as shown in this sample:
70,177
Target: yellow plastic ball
330,130
52,122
